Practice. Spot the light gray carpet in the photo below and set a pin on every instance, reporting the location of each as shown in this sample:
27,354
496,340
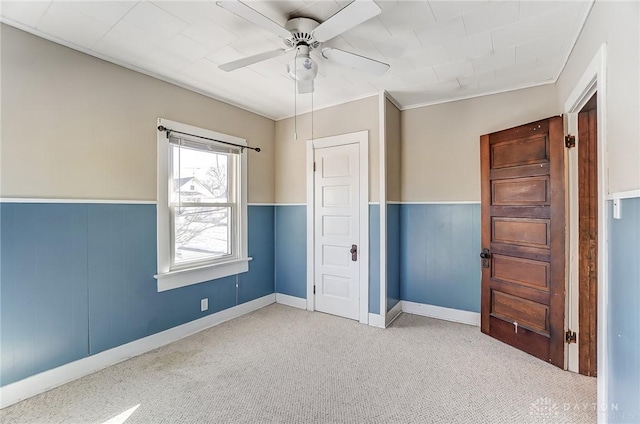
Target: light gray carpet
281,364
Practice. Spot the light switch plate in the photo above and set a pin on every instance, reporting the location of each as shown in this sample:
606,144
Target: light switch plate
204,304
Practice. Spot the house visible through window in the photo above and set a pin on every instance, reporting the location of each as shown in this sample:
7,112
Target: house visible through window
201,207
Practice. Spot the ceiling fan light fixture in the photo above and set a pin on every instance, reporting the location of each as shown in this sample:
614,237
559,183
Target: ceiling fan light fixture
302,67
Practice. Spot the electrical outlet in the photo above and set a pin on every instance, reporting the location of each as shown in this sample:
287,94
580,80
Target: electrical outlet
204,304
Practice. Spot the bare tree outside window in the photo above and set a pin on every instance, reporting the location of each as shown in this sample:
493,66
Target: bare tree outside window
216,177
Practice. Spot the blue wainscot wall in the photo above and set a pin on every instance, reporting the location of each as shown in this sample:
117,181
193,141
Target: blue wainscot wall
291,250
393,255
77,279
432,254
624,314
374,259
291,253
439,248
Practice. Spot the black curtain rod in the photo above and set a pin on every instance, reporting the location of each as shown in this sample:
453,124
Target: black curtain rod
169,131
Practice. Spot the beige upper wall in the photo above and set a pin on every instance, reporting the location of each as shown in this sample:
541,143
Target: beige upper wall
441,143
291,154
393,139
616,24
74,126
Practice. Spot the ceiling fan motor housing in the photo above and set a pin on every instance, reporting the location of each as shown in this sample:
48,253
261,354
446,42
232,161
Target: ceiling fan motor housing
301,32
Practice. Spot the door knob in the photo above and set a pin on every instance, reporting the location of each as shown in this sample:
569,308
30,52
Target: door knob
354,252
485,255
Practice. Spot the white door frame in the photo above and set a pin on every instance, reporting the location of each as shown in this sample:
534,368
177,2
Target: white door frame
362,139
593,80
382,113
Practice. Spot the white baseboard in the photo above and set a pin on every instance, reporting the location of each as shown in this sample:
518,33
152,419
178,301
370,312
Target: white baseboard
439,312
376,320
47,380
295,302
393,313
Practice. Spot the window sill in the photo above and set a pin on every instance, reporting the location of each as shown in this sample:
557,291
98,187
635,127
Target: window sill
186,277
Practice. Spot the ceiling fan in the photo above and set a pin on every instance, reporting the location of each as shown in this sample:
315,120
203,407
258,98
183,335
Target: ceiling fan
304,35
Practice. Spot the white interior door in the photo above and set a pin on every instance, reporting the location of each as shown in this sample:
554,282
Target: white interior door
337,230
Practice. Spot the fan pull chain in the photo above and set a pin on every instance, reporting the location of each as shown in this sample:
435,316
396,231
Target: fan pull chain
312,114
295,95
179,175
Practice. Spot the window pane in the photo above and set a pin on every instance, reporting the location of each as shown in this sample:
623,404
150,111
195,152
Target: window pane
200,176
201,233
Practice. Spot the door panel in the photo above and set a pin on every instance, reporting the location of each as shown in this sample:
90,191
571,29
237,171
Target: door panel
521,191
333,196
523,226
521,271
337,221
335,226
521,312
521,231
520,151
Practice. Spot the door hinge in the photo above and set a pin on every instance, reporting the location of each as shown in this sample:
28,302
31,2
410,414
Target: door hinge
570,141
314,167
314,289
570,337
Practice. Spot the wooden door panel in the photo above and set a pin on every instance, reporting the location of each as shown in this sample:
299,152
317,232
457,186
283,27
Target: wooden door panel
518,152
521,231
524,312
527,191
523,220
521,271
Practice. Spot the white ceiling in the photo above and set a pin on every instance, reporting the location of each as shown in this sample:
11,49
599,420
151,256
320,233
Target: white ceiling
438,50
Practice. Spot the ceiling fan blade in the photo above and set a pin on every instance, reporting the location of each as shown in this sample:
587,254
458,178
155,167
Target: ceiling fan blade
355,61
250,60
348,17
253,16
305,87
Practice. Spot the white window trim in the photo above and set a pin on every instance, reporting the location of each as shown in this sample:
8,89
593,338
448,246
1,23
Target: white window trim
171,279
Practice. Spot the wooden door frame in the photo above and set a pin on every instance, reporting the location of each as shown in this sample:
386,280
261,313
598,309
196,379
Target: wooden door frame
587,144
593,80
362,139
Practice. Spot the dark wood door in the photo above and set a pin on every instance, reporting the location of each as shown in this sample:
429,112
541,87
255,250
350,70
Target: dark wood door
523,226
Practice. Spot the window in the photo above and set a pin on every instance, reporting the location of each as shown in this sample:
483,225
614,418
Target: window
201,206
